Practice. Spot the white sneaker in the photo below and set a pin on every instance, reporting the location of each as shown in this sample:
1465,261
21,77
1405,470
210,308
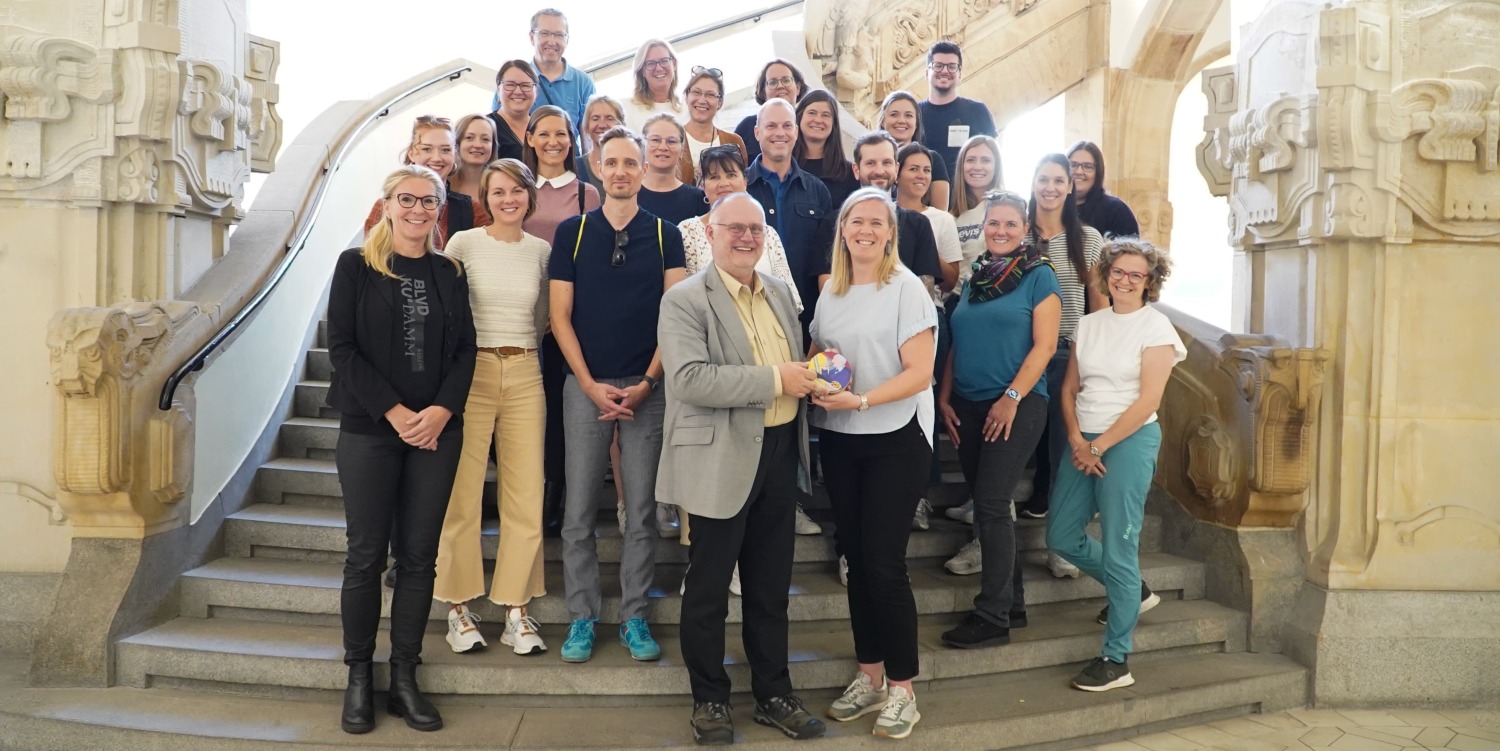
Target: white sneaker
463,630
620,514
969,560
860,699
1023,491
919,519
1061,568
964,513
899,715
843,571
521,633
804,525
666,520
734,581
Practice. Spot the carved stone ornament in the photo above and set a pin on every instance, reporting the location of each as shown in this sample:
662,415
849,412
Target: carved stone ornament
1214,159
1285,388
262,58
52,89
55,514
1210,460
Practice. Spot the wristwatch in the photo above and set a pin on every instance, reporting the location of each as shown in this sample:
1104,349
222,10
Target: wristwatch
1095,449
864,403
1014,394
652,382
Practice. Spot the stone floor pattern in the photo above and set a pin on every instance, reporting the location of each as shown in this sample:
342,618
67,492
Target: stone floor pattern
1346,730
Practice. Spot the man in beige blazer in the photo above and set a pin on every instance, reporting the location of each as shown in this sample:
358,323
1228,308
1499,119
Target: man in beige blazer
734,450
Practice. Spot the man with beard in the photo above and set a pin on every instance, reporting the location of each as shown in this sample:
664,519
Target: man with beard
949,120
558,83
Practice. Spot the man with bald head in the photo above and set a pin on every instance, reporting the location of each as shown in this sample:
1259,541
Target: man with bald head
735,424
797,203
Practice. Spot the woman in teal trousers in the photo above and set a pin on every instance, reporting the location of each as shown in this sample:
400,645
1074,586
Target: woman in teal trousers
1122,357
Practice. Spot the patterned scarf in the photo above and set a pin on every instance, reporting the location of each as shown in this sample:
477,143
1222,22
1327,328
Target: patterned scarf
994,276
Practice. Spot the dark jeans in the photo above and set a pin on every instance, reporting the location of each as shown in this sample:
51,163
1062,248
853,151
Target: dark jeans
874,483
992,469
385,480
944,343
554,447
1053,446
759,538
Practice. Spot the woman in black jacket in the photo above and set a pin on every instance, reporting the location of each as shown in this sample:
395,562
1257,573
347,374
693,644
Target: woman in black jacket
401,337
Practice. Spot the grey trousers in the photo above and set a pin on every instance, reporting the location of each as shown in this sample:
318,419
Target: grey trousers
587,439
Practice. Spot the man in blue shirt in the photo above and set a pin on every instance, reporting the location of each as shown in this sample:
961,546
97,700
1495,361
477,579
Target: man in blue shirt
560,84
797,203
948,120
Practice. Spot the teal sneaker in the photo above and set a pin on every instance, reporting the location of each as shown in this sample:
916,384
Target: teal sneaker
636,635
580,644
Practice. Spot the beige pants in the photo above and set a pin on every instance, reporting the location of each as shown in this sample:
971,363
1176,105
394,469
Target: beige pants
506,399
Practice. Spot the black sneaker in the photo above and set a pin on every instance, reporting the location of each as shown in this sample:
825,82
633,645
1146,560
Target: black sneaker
1102,675
1018,619
975,632
785,713
1149,600
712,725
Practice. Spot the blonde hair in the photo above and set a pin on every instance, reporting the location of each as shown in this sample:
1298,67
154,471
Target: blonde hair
431,122
1156,258
515,170
961,202
843,265
588,111
463,125
378,247
643,89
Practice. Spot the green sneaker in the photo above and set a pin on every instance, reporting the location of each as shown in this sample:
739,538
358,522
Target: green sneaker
860,699
580,644
636,636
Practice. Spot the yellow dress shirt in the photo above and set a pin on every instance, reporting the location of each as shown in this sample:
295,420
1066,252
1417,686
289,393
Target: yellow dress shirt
768,342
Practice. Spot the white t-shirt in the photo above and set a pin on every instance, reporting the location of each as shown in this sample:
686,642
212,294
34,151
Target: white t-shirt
696,147
636,113
945,231
1108,349
970,228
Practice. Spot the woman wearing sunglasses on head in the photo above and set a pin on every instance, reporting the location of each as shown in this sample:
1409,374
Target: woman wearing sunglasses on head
433,146
778,80
705,95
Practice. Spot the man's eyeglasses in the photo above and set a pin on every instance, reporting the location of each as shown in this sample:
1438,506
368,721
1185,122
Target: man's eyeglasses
551,36
1135,277
783,81
408,200
944,67
660,62
511,86
1083,166
658,141
617,258
739,230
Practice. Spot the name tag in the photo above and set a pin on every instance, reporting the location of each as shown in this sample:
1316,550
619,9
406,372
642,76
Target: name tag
958,135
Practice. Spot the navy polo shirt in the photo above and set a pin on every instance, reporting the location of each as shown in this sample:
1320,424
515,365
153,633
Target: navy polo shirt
615,308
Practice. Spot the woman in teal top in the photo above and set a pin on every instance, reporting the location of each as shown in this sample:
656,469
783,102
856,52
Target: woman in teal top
993,400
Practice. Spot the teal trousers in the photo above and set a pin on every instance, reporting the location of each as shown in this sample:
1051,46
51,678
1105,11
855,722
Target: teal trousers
1119,497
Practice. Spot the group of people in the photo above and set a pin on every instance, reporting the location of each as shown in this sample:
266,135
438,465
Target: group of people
575,286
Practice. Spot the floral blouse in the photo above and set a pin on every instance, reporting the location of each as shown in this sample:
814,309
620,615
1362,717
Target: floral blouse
700,254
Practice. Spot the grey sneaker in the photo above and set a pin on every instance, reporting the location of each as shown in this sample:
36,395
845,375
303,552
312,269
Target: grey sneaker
899,715
804,525
1061,568
919,519
968,561
860,699
712,725
964,513
786,713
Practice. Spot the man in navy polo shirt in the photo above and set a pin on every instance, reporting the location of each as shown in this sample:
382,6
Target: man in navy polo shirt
797,203
559,84
949,120
609,268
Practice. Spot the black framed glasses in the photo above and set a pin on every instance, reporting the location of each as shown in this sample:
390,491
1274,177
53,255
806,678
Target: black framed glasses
407,200
617,258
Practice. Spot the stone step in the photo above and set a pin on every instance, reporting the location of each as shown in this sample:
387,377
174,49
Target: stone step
308,592
231,651
1020,709
319,365
276,530
310,399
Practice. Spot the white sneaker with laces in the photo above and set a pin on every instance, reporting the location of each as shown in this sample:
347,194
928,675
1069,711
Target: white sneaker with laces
860,699
899,715
620,514
919,519
804,525
964,513
463,630
734,581
666,520
843,571
1061,568
521,633
968,561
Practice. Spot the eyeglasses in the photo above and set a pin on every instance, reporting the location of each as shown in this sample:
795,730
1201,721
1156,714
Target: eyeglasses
944,67
712,96
408,200
1083,166
617,258
783,81
658,141
524,88
1135,277
699,70
551,36
660,62
739,230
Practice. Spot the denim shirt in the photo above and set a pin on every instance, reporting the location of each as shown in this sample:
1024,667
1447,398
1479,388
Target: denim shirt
798,207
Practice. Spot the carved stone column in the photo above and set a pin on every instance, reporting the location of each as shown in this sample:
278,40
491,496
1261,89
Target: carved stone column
1362,153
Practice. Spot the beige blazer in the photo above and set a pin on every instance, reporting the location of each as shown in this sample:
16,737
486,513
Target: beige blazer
717,396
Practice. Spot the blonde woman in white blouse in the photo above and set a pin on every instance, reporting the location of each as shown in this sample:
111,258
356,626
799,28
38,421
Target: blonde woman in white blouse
507,271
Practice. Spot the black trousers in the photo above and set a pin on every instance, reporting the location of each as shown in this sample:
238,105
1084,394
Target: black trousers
1053,446
992,469
553,374
391,487
760,539
874,482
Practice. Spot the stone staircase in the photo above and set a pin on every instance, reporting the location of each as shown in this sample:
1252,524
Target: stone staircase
257,636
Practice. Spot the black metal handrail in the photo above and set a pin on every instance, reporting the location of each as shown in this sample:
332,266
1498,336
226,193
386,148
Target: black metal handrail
299,239
754,15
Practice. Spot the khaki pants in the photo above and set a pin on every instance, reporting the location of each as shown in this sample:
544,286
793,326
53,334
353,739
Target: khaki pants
506,398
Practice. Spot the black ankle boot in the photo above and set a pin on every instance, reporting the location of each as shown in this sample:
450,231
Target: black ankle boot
359,700
552,508
407,700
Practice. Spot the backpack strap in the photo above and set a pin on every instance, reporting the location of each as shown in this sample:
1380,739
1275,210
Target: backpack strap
660,247
582,218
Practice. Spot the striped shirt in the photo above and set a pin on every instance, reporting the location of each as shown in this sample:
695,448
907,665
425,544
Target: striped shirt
1074,291
507,286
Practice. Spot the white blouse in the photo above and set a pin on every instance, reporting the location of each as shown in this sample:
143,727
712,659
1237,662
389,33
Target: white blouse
700,254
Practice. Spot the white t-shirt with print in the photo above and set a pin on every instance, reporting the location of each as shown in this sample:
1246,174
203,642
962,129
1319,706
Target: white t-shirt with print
1108,349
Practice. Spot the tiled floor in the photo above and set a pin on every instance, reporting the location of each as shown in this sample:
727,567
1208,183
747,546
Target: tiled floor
1344,730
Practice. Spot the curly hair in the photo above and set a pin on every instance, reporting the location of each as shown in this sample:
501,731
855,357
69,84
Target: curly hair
1157,258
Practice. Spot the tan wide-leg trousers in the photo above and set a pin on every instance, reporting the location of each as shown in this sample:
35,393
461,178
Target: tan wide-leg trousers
506,399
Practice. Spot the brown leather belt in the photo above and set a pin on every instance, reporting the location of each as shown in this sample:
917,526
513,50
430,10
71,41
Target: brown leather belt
508,351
